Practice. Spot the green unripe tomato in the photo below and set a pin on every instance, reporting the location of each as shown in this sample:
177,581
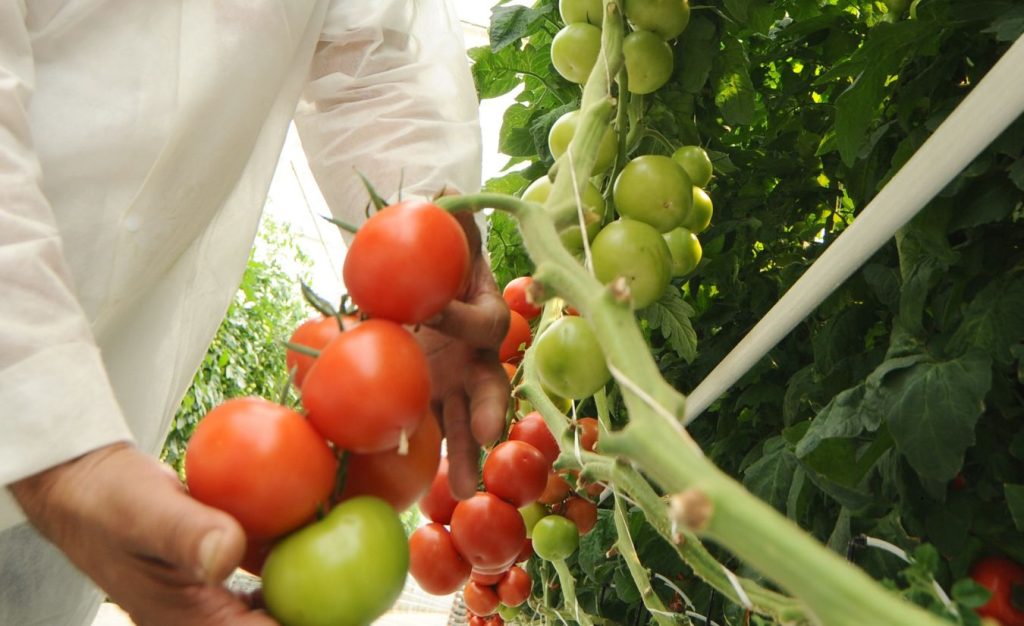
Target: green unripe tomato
561,134
637,252
589,11
698,218
653,189
593,211
569,359
345,570
508,613
696,162
532,513
648,61
668,18
574,51
555,538
684,247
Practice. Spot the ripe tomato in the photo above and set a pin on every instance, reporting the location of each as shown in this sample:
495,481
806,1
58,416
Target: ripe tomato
637,252
668,18
556,490
434,562
481,600
526,552
648,61
486,579
555,537
510,370
574,51
655,190
1000,576
344,570
315,333
685,250
559,136
569,360
516,472
256,553
439,503
487,531
517,339
534,430
400,479
588,431
262,463
590,11
696,162
370,385
515,297
514,588
407,262
582,512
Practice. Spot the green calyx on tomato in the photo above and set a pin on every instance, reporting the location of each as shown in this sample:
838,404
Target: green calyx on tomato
696,162
345,570
555,538
561,134
668,18
574,51
648,60
685,249
569,359
636,252
655,190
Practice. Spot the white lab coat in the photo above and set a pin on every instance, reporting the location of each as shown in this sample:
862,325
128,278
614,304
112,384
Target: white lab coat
137,143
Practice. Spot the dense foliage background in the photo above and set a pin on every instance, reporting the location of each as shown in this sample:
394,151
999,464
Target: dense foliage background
895,410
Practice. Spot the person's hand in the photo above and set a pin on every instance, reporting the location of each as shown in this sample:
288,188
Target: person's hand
124,520
470,388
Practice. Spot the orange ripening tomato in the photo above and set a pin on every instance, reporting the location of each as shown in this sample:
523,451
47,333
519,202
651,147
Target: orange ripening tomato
369,386
407,262
400,479
262,463
517,339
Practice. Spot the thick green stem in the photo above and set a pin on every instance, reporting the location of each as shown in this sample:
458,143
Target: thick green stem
572,605
651,601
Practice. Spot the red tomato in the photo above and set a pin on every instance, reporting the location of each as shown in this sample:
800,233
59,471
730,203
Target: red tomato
582,512
516,472
526,552
400,479
556,490
533,430
314,333
1000,576
588,430
510,370
434,562
407,262
487,531
439,503
486,579
481,600
256,553
369,386
517,339
514,588
262,463
515,295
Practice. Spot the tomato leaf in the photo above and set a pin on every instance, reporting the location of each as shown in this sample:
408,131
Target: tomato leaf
695,53
509,24
671,315
932,408
1015,502
993,321
493,72
771,477
734,91
1009,26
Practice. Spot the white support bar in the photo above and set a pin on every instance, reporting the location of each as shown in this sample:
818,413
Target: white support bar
994,103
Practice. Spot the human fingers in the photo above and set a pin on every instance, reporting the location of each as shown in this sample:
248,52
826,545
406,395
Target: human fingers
488,390
463,450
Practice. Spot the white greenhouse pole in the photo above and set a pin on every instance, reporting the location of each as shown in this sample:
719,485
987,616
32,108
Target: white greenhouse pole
994,103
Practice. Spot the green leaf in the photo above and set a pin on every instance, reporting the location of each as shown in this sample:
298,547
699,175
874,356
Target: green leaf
932,409
494,73
771,477
695,54
970,594
1015,502
1009,26
515,138
734,91
993,321
671,316
1016,172
994,203
509,24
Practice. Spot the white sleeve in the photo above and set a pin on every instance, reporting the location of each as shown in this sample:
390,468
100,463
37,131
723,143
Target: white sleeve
390,95
56,398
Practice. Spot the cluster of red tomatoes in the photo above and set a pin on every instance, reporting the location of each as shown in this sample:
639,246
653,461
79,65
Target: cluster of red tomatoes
317,492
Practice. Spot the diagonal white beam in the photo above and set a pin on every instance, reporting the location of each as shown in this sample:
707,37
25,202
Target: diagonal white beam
994,103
